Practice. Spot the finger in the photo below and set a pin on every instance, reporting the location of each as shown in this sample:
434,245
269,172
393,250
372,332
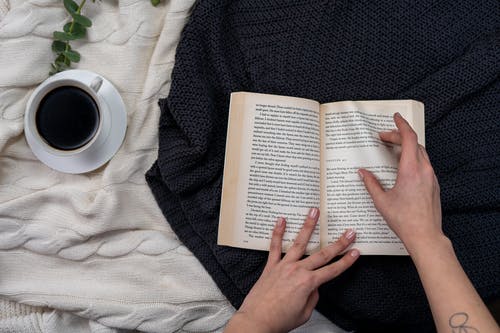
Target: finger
298,248
326,254
312,300
423,153
392,136
437,189
373,187
409,138
276,241
326,273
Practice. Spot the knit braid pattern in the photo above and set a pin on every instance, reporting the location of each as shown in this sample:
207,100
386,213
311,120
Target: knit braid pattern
4,8
443,53
9,309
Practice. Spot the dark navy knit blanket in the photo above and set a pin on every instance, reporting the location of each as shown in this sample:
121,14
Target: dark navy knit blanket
445,53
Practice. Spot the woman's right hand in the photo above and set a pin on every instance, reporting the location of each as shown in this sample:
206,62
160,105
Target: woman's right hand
412,208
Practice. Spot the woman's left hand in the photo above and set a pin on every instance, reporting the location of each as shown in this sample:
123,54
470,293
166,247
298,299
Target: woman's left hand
287,291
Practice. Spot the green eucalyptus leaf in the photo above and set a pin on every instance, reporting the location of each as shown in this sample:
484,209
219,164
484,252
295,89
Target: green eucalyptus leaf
58,46
61,66
75,29
64,36
155,2
59,59
62,62
72,55
79,30
70,6
83,20
78,34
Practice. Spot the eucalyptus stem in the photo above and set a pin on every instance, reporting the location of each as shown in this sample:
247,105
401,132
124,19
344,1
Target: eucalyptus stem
72,26
76,29
78,11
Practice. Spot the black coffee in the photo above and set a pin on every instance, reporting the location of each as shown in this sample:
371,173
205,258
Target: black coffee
67,118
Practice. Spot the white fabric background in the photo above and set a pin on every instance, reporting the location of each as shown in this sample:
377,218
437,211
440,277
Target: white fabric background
95,246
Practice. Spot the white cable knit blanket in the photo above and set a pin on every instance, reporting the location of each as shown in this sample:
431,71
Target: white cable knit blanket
96,245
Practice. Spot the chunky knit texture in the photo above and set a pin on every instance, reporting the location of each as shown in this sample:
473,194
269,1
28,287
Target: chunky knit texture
443,53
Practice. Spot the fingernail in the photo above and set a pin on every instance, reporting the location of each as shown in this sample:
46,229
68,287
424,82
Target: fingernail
397,114
313,213
280,222
350,234
360,174
354,253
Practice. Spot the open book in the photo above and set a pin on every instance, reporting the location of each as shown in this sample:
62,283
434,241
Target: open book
287,154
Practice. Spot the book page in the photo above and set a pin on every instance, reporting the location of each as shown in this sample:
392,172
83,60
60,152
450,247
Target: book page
272,169
350,141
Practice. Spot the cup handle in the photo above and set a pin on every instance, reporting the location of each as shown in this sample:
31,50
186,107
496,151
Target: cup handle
96,84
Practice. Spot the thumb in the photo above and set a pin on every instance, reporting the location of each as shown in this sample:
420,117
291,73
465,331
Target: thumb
312,300
372,186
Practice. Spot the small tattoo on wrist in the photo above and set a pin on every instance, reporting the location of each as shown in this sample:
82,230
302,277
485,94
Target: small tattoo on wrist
458,323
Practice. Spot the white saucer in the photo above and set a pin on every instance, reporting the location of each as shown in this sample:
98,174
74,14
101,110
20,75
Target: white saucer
90,159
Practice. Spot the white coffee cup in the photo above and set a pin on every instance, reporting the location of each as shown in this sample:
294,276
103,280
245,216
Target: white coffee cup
107,138
90,86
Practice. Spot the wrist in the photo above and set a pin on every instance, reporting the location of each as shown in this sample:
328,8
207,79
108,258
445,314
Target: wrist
421,247
242,322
